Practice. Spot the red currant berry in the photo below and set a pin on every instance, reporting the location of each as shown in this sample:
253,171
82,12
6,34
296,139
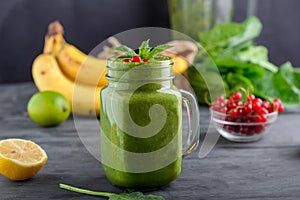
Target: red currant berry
256,105
238,120
146,60
255,118
258,129
263,118
277,105
221,99
262,111
230,100
250,97
266,104
277,100
247,109
257,100
239,112
231,106
126,60
136,59
239,103
229,118
280,108
233,112
236,96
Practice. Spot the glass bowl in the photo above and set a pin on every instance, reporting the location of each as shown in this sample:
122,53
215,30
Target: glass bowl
242,128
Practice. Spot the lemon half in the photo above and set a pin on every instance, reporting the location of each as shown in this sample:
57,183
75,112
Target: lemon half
21,159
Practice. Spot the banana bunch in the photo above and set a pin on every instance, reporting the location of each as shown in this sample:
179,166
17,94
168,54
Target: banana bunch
65,69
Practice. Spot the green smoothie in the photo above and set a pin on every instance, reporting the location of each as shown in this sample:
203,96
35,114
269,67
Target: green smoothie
132,156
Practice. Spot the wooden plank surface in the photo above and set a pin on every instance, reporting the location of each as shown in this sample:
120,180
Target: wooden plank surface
267,169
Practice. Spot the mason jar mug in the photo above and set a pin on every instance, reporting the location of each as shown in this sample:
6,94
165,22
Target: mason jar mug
141,124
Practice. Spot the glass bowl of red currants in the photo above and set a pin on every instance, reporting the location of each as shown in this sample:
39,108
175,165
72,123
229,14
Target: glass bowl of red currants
244,119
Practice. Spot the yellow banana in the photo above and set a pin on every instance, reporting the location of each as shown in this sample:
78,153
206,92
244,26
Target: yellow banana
75,64
80,67
47,75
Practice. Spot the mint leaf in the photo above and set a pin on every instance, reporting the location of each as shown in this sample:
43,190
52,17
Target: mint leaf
113,196
158,49
124,49
144,49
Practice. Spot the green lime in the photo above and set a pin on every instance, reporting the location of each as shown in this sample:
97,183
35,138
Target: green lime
48,108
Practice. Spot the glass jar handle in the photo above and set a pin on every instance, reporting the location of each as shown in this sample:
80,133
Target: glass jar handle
194,121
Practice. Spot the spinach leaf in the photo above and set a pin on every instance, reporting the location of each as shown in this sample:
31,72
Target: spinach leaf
244,64
257,55
236,81
233,64
253,28
206,84
113,196
229,37
134,196
277,85
291,74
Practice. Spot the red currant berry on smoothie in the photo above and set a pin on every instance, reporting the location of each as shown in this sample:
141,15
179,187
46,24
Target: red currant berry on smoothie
136,59
126,60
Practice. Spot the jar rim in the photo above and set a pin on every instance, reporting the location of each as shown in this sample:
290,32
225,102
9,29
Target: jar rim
157,70
117,63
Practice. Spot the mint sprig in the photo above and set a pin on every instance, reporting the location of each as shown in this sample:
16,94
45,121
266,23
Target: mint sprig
124,49
145,51
113,196
158,49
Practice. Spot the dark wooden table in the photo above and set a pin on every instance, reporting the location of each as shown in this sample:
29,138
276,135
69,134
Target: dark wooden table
267,169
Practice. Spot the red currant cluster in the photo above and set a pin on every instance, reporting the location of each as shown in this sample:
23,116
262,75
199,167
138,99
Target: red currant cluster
136,59
253,110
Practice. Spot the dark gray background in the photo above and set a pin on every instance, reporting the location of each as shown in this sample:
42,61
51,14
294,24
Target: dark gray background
23,24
